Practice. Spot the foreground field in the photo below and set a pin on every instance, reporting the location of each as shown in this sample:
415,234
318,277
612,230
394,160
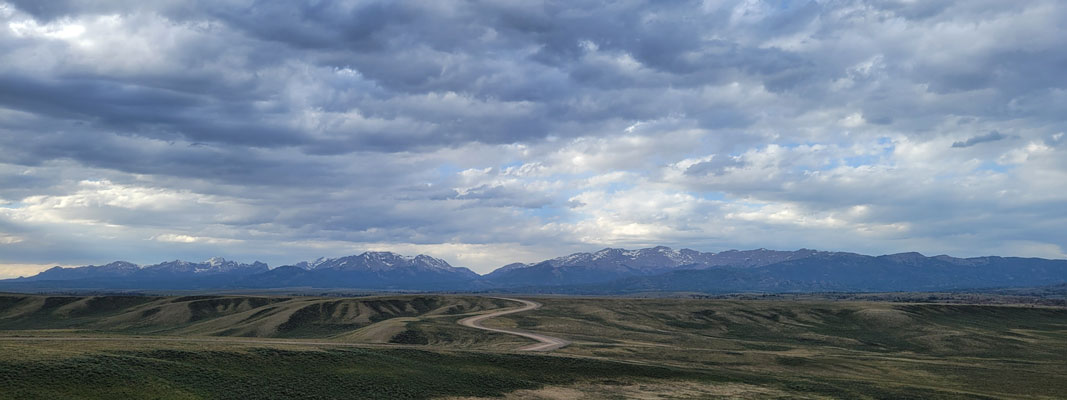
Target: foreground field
243,371
412,347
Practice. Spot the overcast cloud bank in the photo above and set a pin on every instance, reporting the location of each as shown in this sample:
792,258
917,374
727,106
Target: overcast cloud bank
490,131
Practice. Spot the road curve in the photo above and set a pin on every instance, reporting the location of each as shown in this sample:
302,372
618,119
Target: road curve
545,343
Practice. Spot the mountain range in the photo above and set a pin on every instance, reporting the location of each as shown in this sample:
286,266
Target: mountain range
608,271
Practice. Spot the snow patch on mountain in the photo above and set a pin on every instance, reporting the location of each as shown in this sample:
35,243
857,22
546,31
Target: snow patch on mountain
663,258
382,261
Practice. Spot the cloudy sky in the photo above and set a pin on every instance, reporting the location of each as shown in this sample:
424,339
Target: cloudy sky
491,131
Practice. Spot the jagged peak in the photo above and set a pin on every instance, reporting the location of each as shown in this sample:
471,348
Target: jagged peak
382,254
175,262
121,264
214,261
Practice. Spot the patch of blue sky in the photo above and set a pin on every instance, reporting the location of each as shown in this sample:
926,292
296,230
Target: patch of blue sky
512,164
861,160
614,187
12,204
873,158
713,196
793,145
552,213
993,166
447,169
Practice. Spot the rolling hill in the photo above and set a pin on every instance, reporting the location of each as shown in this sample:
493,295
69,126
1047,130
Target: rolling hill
233,316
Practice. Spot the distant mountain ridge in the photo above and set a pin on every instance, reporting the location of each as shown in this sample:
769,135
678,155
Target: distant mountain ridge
607,271
370,270
611,263
175,274
212,266
848,272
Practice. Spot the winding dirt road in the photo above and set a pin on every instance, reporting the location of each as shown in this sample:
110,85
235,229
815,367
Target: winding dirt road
545,343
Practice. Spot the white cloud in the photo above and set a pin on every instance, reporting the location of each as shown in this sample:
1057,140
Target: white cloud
60,30
179,238
10,239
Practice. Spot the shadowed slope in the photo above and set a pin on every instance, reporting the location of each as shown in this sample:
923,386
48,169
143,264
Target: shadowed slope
295,317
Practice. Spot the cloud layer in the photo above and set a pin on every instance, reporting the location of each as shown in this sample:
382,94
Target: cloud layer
486,132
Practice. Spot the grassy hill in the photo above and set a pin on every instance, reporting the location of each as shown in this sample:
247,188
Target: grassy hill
239,316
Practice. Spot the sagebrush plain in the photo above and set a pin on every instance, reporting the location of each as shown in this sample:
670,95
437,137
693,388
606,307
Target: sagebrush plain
410,346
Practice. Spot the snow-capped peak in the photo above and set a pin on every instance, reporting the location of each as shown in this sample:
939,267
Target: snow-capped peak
122,265
379,261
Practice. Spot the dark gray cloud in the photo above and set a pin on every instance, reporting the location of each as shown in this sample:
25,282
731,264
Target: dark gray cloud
989,137
716,166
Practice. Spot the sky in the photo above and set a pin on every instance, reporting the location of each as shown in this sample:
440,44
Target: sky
486,132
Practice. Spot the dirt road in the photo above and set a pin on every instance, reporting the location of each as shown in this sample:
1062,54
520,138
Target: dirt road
546,343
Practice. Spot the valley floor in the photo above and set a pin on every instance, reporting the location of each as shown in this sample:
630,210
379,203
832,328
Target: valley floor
252,347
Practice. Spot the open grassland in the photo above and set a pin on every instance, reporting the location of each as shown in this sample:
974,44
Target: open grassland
233,371
411,347
974,350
